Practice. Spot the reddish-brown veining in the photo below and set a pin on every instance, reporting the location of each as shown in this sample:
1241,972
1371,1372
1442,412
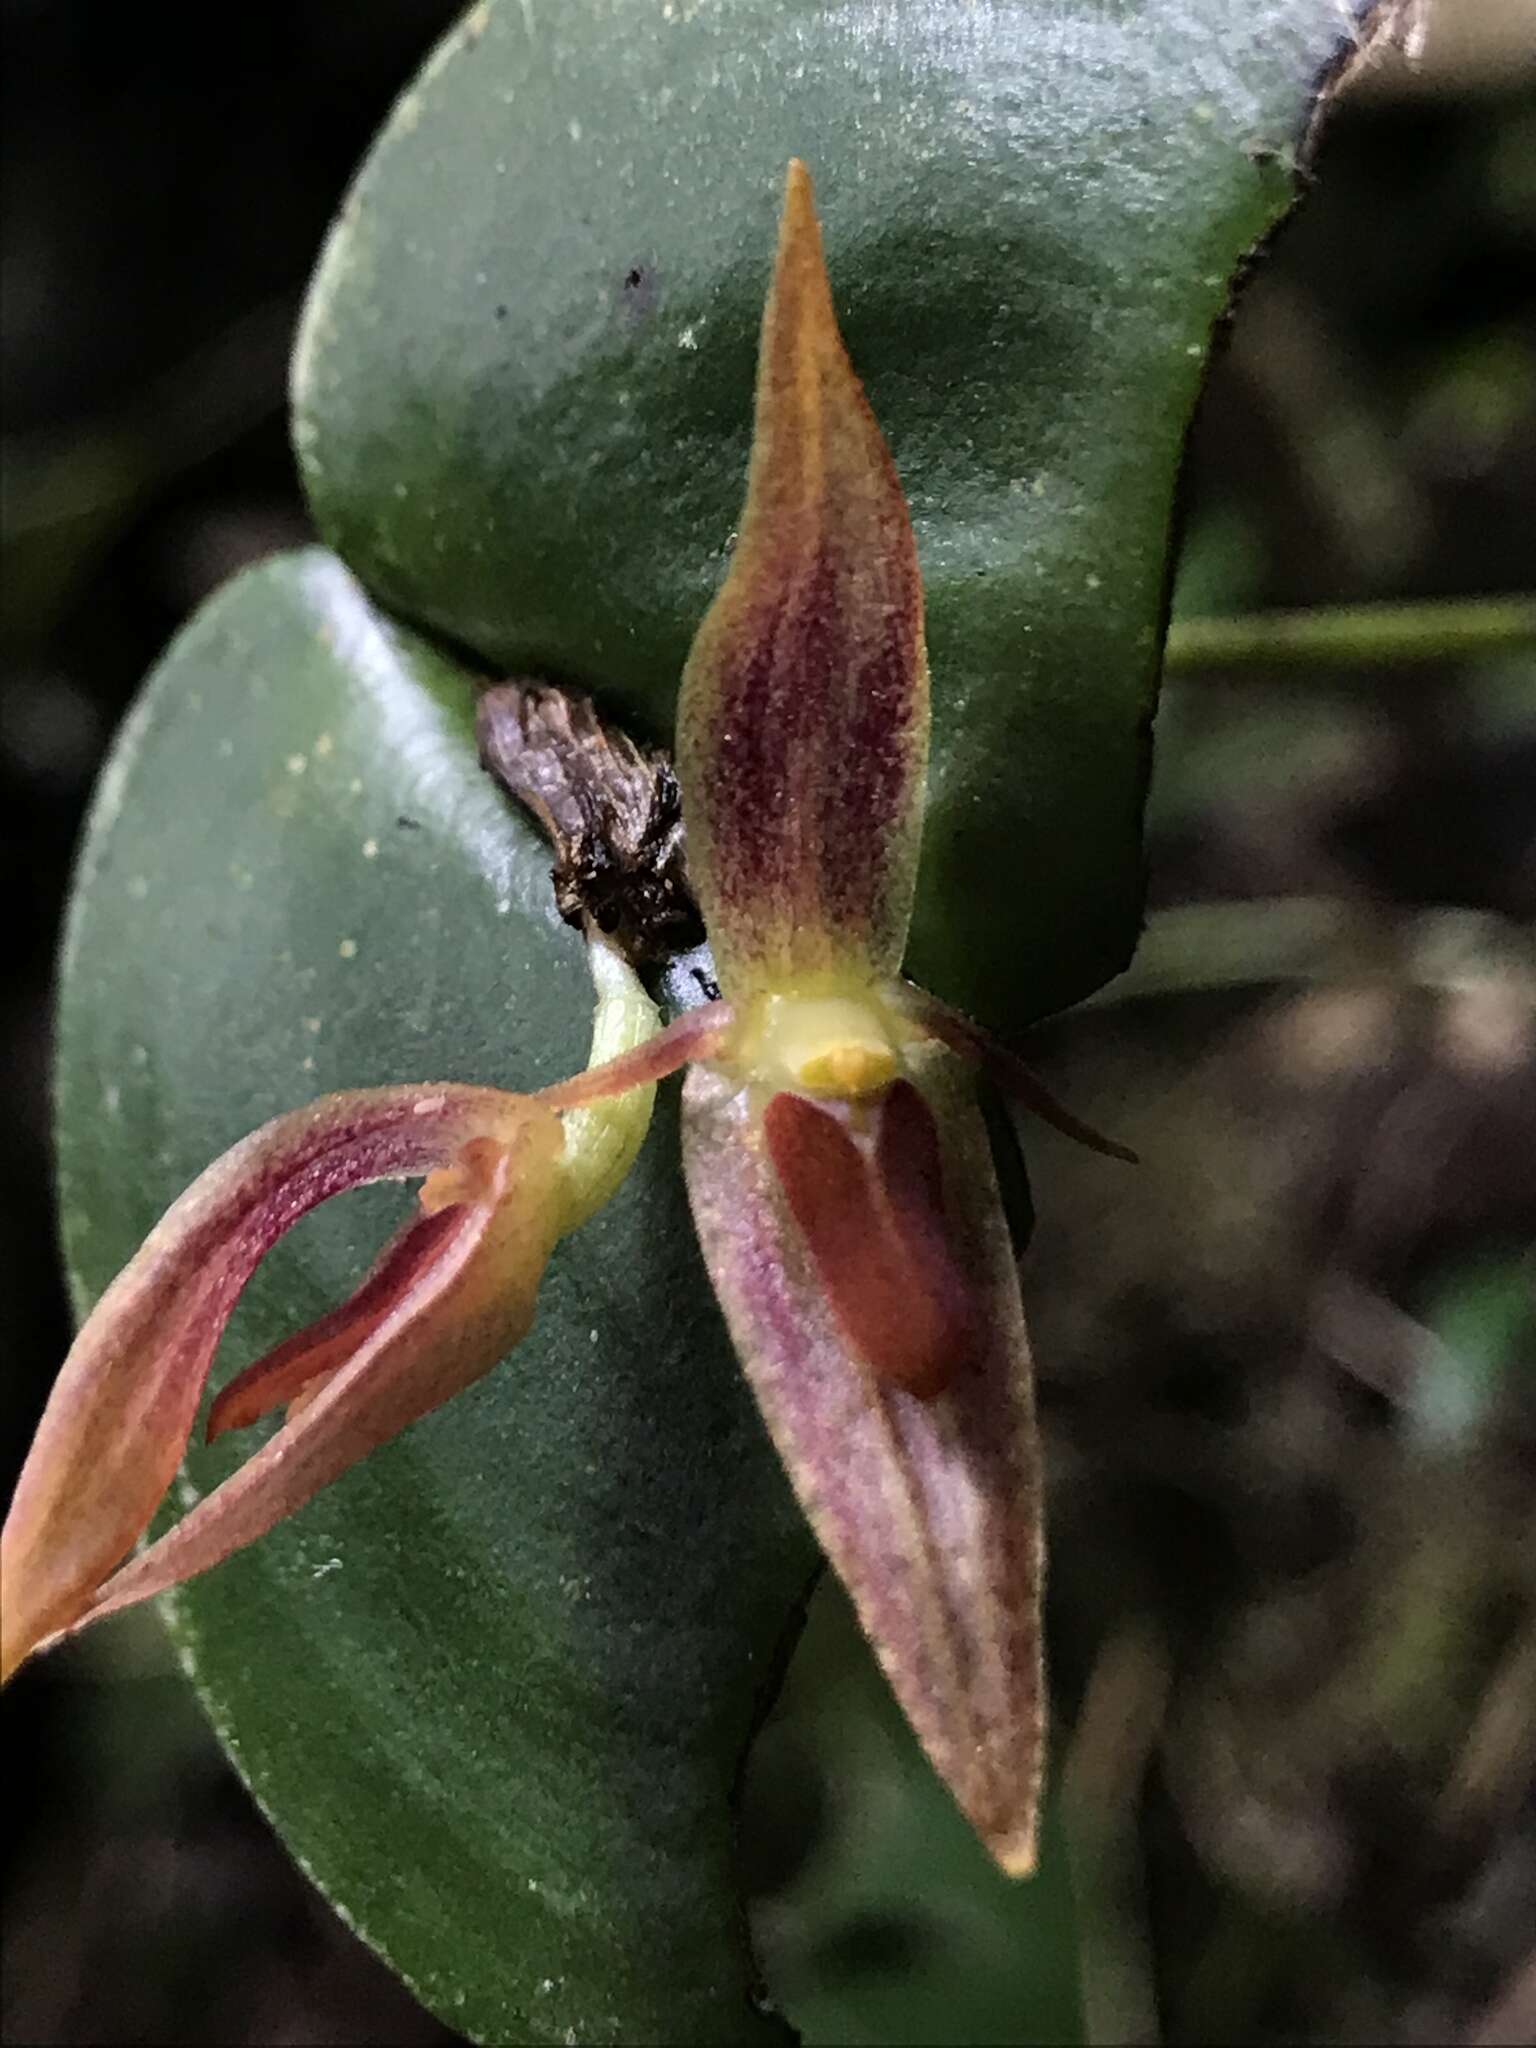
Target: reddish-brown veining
804,719
122,1408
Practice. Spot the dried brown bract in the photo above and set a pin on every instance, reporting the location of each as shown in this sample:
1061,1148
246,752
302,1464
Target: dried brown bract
610,809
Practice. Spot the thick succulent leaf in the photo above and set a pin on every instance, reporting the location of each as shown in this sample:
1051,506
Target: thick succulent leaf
495,1684
927,1502
802,731
523,390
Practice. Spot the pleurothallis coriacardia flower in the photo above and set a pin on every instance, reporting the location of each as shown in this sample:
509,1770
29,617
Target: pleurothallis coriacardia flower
837,1162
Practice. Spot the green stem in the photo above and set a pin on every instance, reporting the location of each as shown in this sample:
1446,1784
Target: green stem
1356,635
601,1142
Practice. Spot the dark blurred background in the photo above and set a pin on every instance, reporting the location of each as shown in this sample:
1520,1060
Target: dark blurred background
1289,1378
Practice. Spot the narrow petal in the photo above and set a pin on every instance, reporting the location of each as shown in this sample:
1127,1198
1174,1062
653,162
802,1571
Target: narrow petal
871,1218
1007,1072
929,1510
316,1352
610,809
122,1408
696,1035
803,718
467,1305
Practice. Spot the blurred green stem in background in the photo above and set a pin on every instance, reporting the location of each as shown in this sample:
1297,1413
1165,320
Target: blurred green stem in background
1356,635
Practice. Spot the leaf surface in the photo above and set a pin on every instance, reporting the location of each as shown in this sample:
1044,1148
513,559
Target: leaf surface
523,390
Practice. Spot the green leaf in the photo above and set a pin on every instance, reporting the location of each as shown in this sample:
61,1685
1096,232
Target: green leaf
524,385
494,1686
897,1926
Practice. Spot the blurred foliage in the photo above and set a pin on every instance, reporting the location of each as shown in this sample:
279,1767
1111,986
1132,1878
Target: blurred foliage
1288,1368
880,1917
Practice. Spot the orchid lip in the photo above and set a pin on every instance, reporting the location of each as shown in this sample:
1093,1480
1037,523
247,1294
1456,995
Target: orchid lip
870,1210
838,1043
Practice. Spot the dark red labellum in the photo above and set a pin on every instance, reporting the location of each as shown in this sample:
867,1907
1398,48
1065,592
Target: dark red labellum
871,1212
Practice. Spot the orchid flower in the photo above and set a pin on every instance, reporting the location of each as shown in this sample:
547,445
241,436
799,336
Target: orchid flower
836,1158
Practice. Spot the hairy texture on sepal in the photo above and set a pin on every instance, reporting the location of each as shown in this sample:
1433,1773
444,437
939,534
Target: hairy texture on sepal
803,717
122,1409
929,1510
468,1300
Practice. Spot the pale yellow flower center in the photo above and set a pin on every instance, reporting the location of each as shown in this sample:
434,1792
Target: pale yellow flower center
839,1046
